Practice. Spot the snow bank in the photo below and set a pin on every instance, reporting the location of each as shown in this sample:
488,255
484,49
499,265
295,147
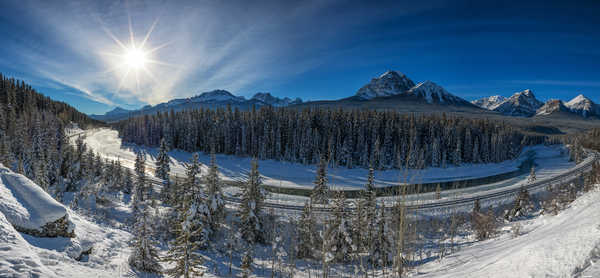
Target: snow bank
550,246
17,259
30,209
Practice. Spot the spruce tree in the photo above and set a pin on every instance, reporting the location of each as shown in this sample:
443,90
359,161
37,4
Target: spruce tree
381,247
338,235
215,200
163,169
183,250
308,238
250,212
320,193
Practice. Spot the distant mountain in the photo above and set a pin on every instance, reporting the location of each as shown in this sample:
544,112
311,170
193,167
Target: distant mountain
522,104
209,100
583,106
553,107
388,84
268,99
489,102
394,90
433,93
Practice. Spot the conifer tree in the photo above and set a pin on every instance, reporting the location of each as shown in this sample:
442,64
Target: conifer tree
381,247
183,250
532,178
308,238
250,212
215,200
246,265
163,170
320,193
338,235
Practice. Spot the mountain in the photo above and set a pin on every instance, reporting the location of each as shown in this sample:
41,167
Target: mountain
207,100
388,84
583,106
553,107
522,104
268,99
489,102
433,93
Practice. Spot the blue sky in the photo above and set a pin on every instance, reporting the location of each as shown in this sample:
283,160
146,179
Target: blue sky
311,49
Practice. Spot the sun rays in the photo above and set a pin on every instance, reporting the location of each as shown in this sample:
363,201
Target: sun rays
133,61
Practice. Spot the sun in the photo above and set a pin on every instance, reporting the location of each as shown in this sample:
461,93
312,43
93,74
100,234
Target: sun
135,58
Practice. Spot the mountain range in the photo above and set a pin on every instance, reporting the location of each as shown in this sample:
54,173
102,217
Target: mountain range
525,104
391,90
212,99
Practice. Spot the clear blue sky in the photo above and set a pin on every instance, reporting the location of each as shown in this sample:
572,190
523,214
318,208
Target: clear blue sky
311,49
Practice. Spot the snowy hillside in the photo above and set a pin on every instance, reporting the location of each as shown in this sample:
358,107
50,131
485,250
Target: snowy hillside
552,106
548,246
489,102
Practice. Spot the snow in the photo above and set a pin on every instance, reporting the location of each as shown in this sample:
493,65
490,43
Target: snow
295,175
388,84
520,104
549,246
25,204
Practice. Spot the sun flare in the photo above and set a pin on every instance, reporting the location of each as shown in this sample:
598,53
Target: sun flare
135,58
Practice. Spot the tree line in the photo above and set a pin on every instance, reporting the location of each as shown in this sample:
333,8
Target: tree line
348,138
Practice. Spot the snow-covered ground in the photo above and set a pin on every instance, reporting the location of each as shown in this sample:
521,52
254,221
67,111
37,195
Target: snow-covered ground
285,174
26,205
548,246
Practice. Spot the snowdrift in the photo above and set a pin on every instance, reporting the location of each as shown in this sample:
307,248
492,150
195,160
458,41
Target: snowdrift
29,209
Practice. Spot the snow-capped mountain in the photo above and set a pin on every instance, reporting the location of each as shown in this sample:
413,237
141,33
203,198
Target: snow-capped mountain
388,84
433,93
217,96
552,106
583,106
268,99
489,102
522,104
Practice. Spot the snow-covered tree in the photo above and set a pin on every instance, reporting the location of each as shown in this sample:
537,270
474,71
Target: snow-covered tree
250,213
532,178
320,193
308,237
183,250
163,170
381,247
338,235
215,200
246,265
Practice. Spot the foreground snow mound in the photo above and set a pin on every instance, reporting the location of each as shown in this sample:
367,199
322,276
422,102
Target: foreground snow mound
549,246
30,209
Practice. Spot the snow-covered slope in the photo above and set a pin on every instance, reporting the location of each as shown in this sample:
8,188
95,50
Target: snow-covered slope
549,246
489,102
433,93
583,106
388,84
217,96
26,206
269,99
522,104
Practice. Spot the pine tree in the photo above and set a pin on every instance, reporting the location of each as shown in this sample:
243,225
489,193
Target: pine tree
250,212
163,170
144,256
532,178
338,235
246,265
308,238
182,251
215,200
320,193
196,195
381,247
